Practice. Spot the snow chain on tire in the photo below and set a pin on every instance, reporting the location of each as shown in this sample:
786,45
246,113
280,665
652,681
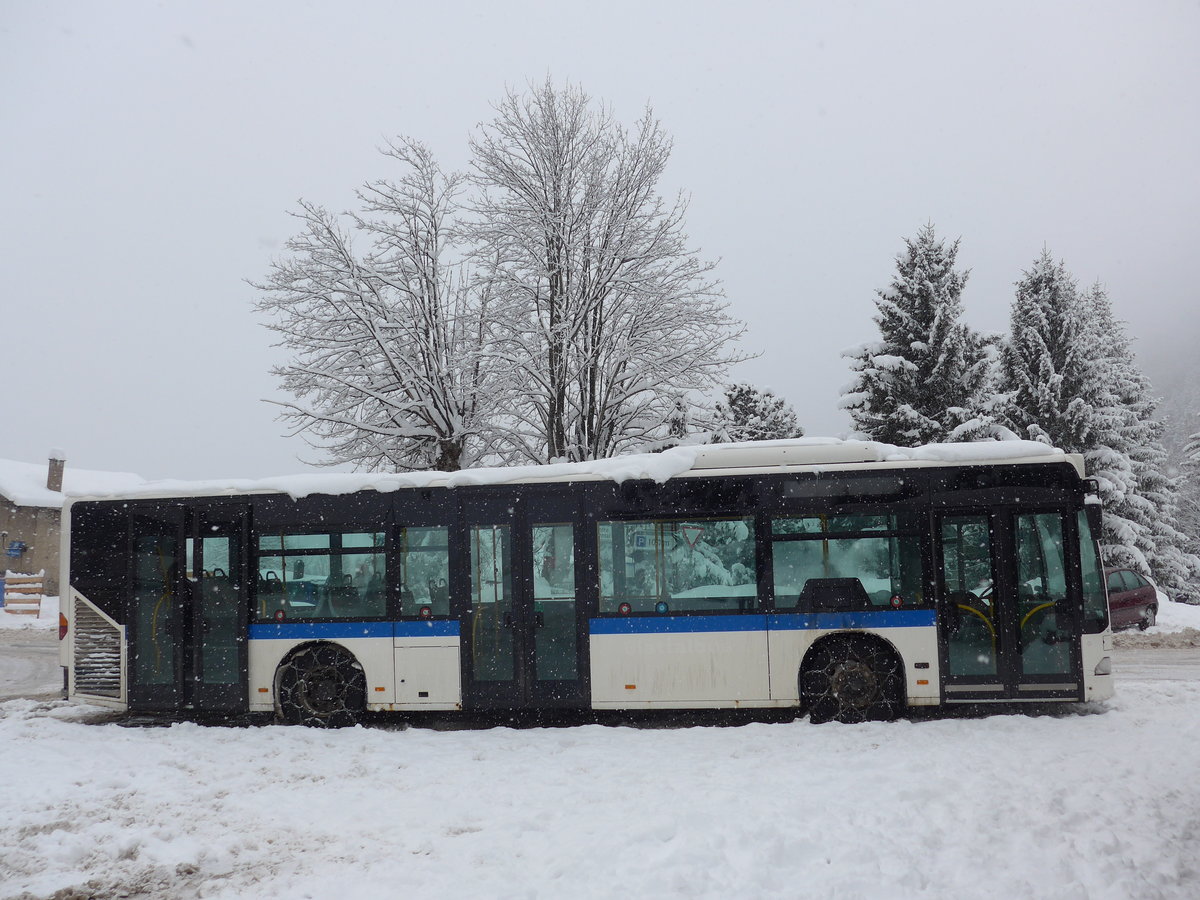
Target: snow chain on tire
321,686
851,680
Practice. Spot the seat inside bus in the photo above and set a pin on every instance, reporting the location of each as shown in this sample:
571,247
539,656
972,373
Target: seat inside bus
833,595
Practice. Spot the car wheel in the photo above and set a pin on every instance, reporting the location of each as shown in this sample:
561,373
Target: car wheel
851,681
1149,617
322,686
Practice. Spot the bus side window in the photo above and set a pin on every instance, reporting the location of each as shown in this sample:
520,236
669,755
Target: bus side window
662,566
816,570
424,572
321,575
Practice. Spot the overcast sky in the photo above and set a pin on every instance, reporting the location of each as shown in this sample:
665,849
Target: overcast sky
150,153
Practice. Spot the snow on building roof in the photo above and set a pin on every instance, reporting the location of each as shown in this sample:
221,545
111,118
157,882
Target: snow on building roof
25,483
804,454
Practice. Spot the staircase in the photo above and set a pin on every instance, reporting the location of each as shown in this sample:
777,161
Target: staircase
23,594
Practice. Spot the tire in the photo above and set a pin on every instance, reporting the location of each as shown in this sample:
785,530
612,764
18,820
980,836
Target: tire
848,680
1149,617
321,686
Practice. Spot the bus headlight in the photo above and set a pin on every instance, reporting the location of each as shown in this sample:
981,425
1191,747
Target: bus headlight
1104,667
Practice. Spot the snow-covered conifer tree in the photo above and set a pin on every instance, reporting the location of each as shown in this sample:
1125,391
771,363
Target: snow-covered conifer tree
1117,402
1070,378
1189,492
924,380
1127,457
1045,375
748,413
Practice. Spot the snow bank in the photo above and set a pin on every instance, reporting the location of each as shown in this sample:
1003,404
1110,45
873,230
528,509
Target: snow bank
1174,616
1178,625
46,618
1076,805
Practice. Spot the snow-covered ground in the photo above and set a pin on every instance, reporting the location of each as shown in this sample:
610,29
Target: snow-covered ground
1095,802
1178,625
47,617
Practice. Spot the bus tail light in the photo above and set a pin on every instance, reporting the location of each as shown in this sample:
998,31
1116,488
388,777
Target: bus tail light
1104,667
62,626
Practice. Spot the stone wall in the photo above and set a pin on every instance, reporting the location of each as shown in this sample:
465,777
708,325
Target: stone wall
38,527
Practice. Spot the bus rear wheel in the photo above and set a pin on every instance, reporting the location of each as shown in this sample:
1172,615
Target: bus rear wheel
848,680
321,686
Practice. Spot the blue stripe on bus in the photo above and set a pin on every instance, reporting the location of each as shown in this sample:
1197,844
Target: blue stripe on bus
427,628
676,624
886,618
307,631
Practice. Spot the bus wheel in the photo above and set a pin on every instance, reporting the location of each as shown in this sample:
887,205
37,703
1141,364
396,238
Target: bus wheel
847,680
322,686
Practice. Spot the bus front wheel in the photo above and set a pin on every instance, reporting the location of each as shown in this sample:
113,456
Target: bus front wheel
851,680
322,686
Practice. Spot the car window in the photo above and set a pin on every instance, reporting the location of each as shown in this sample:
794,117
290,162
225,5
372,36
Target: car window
1114,582
1136,580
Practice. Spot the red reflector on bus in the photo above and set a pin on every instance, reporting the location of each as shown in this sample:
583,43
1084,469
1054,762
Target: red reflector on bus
62,626
624,609
897,601
426,612
280,615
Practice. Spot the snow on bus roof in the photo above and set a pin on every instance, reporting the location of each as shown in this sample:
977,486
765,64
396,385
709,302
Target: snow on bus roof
807,454
24,484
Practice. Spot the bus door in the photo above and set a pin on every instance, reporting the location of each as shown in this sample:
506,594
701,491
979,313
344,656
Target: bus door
217,589
157,626
1007,628
187,622
522,639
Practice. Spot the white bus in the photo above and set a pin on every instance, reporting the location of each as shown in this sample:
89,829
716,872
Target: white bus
847,579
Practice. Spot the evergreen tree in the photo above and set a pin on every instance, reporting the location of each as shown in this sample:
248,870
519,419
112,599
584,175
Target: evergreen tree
1191,451
748,413
1044,371
1070,378
1189,492
1142,500
1118,409
923,381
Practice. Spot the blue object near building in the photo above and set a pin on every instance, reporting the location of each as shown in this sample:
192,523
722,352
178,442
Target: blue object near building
15,548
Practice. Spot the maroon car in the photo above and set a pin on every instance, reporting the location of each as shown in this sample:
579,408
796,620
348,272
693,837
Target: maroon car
1132,599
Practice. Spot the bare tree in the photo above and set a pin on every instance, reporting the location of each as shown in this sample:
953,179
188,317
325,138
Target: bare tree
387,366
609,317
